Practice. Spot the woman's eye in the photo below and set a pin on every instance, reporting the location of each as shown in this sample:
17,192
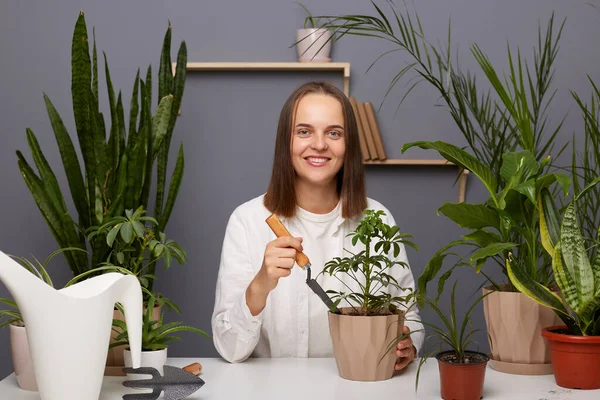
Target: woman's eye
335,133
303,132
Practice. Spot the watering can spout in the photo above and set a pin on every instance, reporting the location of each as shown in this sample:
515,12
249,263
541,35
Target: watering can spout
68,330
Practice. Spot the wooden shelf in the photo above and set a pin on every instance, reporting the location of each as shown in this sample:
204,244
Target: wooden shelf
273,66
462,181
407,162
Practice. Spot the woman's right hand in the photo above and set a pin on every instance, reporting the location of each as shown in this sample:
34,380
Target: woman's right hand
278,261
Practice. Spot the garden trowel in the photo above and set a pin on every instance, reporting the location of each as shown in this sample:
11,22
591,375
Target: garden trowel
177,383
303,262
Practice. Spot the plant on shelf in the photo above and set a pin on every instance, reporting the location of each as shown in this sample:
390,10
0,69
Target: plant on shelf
117,172
376,293
314,41
462,370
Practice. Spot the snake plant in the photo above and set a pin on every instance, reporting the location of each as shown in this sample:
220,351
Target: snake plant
117,171
577,274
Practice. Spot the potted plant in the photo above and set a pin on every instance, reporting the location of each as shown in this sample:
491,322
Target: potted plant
462,370
574,346
366,331
156,337
508,139
134,250
119,156
314,41
22,362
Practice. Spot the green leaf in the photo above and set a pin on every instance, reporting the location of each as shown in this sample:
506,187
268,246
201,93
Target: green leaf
549,222
545,181
127,232
491,250
176,179
472,216
462,159
575,256
527,188
482,237
70,163
533,289
160,123
522,162
112,234
165,71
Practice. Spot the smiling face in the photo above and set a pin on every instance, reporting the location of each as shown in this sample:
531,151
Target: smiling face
318,142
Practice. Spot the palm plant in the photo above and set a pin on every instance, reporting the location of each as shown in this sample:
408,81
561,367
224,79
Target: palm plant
453,335
506,130
117,173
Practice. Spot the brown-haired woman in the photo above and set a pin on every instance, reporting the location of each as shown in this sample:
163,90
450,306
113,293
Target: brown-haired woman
263,306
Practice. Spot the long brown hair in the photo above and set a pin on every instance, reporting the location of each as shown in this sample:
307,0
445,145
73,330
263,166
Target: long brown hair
280,197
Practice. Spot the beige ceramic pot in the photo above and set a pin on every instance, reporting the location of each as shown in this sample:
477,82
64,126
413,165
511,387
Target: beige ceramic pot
360,344
514,325
22,362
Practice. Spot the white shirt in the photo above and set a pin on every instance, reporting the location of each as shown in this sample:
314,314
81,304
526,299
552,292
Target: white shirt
294,321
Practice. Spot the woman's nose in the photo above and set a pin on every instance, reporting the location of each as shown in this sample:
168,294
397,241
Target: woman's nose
319,142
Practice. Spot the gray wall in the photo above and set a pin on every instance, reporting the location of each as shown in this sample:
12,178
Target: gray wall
229,119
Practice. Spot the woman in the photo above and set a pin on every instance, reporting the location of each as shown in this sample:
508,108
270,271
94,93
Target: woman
263,306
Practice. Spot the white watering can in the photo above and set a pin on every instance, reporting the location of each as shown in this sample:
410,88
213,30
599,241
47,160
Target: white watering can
68,330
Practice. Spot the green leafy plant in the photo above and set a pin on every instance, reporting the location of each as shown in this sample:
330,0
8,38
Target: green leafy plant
507,133
451,334
577,274
117,172
134,249
156,335
37,268
310,21
370,268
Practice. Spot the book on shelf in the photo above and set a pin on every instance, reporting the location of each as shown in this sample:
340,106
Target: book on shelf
371,143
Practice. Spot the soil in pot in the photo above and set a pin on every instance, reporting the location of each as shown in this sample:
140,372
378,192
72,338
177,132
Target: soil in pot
462,381
575,359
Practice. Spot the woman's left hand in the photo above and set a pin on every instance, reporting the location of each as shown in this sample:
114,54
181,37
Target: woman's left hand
405,351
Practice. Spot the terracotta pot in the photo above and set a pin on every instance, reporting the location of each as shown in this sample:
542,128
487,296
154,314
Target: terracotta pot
461,381
575,359
360,344
514,324
22,363
115,359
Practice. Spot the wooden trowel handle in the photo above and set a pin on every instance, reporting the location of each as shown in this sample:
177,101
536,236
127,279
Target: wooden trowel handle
279,230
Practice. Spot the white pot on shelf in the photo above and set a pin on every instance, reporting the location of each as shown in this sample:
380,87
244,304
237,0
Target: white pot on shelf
309,43
155,359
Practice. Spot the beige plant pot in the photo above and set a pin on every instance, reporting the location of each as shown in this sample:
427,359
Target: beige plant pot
21,357
115,361
360,344
514,325
314,45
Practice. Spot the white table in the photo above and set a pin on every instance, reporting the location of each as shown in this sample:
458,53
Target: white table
315,379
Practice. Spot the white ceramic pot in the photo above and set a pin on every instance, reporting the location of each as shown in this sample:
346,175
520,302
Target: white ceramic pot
309,45
155,359
21,357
